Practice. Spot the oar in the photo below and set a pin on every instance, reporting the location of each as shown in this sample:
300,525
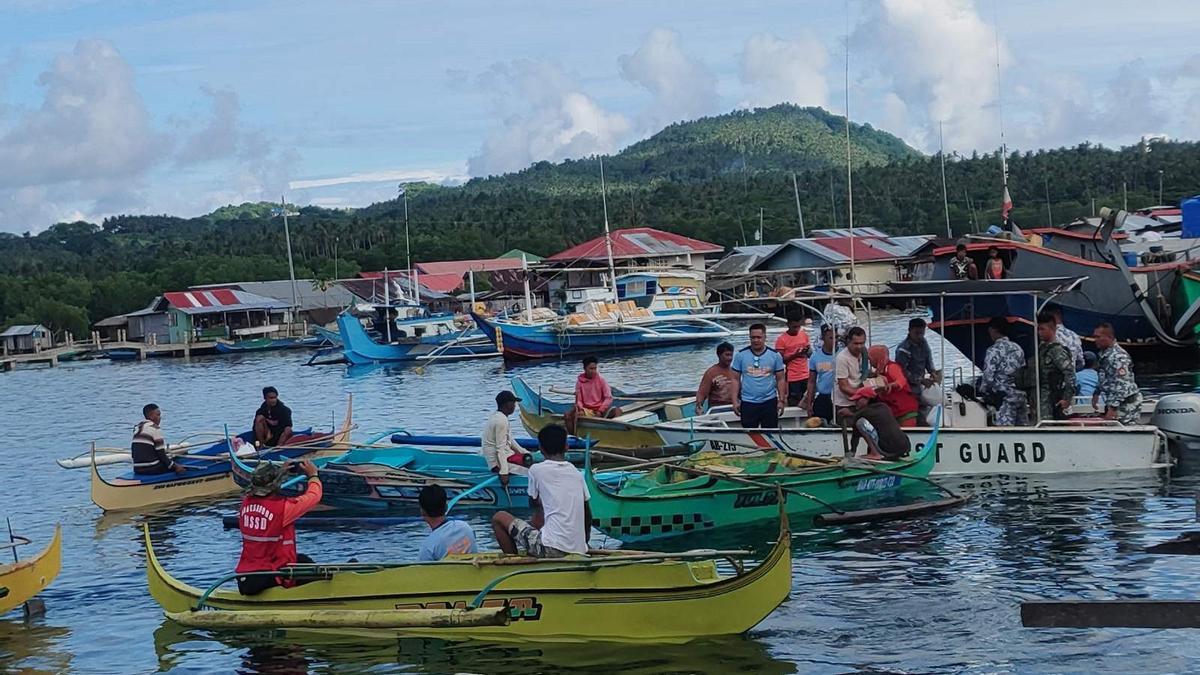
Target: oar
487,483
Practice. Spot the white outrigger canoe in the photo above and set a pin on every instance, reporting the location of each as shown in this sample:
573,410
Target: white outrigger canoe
963,447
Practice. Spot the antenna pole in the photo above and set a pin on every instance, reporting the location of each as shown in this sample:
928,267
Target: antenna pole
612,273
849,179
407,247
799,213
287,236
1000,104
945,196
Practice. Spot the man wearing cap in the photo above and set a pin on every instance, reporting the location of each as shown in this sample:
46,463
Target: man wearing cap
873,421
267,522
498,446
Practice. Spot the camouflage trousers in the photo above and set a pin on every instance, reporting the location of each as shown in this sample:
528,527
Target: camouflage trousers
1129,411
1014,411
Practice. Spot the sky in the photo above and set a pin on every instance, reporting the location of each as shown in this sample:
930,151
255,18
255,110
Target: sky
145,107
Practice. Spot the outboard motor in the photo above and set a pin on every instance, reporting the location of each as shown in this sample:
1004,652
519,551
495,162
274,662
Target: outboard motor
1178,416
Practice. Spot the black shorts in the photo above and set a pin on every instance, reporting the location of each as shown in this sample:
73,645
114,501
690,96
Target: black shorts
760,415
822,407
796,391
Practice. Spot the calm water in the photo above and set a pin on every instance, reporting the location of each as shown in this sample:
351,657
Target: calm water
939,593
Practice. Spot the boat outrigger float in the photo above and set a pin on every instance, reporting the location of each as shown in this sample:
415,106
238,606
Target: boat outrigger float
607,596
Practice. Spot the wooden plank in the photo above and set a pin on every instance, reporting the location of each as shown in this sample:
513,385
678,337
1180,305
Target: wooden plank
888,512
1111,614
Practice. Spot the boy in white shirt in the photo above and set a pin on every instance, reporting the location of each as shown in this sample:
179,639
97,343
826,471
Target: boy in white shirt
562,516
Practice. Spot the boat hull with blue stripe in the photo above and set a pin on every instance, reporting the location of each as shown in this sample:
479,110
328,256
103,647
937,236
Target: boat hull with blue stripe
544,340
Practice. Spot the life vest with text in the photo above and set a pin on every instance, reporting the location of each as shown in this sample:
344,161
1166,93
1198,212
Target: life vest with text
266,543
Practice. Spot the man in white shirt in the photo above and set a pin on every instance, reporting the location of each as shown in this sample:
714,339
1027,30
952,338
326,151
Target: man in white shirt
498,443
562,514
850,369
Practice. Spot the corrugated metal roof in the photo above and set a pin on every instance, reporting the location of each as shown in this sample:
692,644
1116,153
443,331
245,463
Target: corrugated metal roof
221,300
836,250
24,329
858,232
307,296
637,242
461,267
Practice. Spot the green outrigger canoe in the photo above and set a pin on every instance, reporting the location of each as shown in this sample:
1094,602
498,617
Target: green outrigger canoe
710,490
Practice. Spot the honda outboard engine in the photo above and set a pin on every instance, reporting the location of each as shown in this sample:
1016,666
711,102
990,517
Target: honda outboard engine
1178,416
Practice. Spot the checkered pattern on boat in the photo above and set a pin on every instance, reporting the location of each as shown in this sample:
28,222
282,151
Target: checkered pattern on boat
639,525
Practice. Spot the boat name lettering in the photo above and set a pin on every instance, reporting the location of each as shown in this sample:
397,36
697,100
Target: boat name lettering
937,451
984,453
194,481
747,500
525,608
723,446
876,483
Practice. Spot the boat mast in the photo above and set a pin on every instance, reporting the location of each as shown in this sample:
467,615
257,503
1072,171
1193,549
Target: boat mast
799,213
287,236
528,294
1006,204
945,196
387,305
612,272
849,180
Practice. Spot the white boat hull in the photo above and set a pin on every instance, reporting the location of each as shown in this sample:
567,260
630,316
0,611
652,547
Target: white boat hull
988,450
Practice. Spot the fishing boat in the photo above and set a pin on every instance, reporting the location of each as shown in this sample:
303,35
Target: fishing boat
267,344
23,579
375,480
716,489
208,469
632,429
607,596
361,348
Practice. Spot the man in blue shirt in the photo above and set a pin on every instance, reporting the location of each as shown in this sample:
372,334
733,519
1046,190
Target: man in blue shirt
1088,378
446,537
761,389
819,401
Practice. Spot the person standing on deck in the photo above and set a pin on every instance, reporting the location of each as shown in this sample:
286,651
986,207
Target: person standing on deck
761,388
962,267
149,446
850,368
1122,398
593,396
1056,372
1067,337
998,383
896,393
793,346
446,537
562,512
915,357
994,268
497,444
272,420
267,523
818,400
717,383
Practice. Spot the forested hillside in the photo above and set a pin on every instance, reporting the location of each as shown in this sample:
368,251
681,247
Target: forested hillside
707,179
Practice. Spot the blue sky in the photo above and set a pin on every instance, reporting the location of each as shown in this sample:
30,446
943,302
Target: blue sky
130,106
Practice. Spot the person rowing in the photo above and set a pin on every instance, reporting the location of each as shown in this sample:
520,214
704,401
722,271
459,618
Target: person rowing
272,420
149,446
267,521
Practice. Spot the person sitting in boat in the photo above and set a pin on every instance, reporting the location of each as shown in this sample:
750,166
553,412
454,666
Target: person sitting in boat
149,446
272,420
818,400
1122,398
1088,379
895,392
994,268
562,514
593,396
503,454
1056,372
873,422
717,383
267,523
962,267
446,537
793,345
850,368
915,357
761,386
1067,337
998,384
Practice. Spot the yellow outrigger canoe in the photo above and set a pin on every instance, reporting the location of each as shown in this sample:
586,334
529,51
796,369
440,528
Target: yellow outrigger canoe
609,596
24,579
209,475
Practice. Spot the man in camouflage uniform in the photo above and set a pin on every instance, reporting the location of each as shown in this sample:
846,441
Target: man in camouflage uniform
1067,337
998,383
1122,399
1056,372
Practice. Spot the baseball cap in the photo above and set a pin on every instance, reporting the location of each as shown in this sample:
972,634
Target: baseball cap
506,396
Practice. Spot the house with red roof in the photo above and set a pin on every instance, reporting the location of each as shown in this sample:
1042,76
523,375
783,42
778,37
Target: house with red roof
201,315
633,249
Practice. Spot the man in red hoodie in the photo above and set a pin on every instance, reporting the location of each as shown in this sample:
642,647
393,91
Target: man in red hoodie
267,522
593,397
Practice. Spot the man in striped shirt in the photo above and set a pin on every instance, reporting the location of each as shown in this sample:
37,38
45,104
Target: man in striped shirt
149,447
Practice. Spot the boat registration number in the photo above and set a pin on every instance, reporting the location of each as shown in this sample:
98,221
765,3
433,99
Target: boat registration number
876,483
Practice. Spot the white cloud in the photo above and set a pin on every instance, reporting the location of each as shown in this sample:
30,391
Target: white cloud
219,138
682,86
785,71
545,117
447,174
940,57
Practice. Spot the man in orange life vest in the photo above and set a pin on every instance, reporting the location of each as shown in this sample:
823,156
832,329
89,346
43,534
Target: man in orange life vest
267,522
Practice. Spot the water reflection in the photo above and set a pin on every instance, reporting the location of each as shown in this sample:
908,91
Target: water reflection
33,646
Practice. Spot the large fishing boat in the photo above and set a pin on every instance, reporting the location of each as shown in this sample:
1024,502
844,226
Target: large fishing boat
360,348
